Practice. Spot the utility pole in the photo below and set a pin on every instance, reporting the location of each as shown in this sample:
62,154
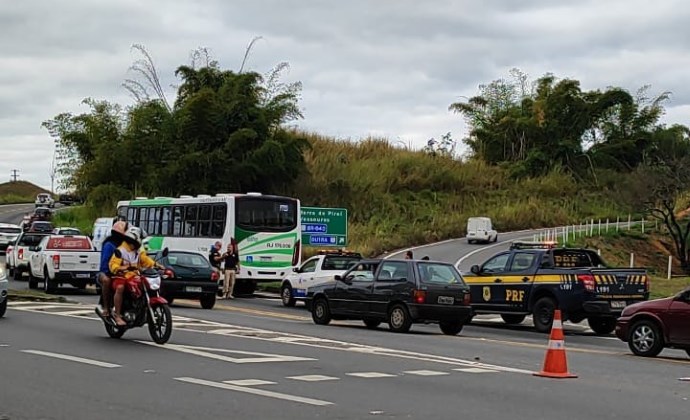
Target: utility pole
15,175
52,174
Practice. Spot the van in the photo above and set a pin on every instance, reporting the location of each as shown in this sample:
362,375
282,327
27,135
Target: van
101,230
480,229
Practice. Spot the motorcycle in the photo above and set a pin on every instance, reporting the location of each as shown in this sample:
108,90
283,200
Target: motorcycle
142,304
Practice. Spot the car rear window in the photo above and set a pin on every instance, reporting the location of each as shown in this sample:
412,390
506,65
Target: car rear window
69,244
10,230
436,273
339,263
576,258
30,240
188,260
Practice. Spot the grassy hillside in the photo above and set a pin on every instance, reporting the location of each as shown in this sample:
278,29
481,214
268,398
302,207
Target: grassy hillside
19,192
651,250
398,197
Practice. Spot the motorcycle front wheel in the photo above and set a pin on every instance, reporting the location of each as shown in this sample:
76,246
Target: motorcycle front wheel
160,326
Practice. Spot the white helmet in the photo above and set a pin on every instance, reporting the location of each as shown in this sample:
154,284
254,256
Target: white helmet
134,234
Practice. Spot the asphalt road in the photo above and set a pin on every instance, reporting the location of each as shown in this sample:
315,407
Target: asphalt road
252,358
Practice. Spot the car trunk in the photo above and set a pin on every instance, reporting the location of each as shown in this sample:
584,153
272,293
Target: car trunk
621,284
78,261
445,294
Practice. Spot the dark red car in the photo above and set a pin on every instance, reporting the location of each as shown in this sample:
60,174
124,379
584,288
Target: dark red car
648,327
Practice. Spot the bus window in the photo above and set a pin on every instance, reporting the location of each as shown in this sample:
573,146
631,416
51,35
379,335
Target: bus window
275,215
153,227
177,221
220,214
204,225
143,217
165,221
190,220
131,215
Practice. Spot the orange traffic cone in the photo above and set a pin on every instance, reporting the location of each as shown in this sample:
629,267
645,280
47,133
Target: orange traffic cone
555,362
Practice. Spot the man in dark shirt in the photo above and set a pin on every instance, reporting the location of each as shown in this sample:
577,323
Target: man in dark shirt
232,267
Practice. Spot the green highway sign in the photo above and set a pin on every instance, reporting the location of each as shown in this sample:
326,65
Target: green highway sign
322,226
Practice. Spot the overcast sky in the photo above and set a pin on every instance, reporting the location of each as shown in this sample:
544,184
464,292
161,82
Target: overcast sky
386,68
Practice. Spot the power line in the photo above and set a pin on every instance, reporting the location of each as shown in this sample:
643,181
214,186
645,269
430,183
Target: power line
15,175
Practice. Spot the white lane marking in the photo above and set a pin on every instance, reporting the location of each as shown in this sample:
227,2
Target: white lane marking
313,378
206,352
484,248
249,382
4,345
426,372
81,312
402,251
72,358
255,391
370,375
237,331
475,370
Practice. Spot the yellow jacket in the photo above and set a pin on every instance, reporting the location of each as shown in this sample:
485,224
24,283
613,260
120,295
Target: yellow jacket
130,258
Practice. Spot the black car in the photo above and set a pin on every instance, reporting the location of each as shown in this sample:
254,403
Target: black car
399,292
190,276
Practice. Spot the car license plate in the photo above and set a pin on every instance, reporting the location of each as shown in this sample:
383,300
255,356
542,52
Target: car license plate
192,289
446,300
83,276
618,304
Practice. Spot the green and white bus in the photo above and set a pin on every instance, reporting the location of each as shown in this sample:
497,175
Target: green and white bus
265,228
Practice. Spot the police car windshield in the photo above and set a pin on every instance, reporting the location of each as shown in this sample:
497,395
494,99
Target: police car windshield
436,273
339,262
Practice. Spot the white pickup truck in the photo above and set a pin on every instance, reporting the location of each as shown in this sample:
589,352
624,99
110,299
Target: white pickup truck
64,259
318,269
19,254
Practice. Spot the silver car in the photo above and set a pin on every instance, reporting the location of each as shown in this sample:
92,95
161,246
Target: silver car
8,234
4,284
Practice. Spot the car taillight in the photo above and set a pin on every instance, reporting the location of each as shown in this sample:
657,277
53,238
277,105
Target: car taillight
466,299
647,284
587,281
169,274
56,261
215,276
419,296
20,254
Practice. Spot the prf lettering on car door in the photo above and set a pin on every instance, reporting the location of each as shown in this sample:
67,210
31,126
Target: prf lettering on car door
515,295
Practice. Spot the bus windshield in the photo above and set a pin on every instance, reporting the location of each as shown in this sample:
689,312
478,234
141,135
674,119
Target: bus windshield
266,214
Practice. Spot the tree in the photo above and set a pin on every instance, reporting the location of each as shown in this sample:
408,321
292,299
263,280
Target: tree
658,186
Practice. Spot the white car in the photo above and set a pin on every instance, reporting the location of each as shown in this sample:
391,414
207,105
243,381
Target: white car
480,229
316,270
101,230
8,234
44,200
4,285
18,263
63,259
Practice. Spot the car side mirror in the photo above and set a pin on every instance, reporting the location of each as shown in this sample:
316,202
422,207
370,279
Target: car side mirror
295,269
338,277
475,269
165,252
118,253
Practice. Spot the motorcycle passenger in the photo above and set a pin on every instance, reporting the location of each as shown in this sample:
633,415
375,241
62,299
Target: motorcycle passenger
132,257
117,235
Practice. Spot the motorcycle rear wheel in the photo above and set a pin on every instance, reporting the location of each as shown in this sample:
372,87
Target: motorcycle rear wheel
113,331
160,327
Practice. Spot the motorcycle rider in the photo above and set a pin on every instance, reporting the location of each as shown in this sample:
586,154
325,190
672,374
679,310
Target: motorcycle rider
117,235
132,257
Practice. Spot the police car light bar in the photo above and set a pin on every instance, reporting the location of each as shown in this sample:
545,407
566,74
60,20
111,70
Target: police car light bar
534,245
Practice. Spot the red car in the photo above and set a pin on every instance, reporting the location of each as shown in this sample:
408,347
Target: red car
648,327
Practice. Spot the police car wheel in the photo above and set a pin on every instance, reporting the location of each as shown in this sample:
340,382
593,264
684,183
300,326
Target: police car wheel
602,325
542,314
645,339
451,327
286,295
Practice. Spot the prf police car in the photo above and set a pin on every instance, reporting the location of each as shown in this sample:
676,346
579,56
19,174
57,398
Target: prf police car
537,278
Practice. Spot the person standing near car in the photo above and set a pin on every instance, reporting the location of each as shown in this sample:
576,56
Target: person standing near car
232,268
215,257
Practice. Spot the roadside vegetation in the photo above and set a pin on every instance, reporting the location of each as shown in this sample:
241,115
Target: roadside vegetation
541,153
19,192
